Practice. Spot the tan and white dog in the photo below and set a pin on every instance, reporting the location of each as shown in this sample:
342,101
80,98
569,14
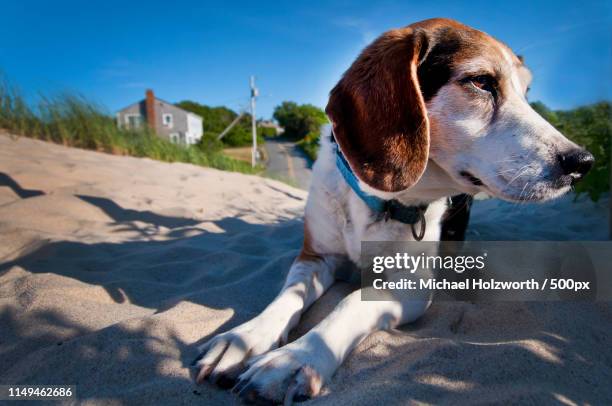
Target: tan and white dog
425,112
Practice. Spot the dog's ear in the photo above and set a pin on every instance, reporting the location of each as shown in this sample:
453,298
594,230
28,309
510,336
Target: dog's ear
378,113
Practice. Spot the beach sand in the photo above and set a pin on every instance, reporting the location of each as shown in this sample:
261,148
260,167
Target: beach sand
113,269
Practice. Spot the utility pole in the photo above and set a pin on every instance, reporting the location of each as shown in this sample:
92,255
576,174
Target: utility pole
254,94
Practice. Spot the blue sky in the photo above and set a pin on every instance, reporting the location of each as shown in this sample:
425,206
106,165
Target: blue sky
111,51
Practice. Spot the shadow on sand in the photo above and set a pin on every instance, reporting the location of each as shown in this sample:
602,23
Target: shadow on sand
6,180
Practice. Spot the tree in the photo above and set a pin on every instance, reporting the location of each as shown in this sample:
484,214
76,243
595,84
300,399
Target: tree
299,120
216,119
591,127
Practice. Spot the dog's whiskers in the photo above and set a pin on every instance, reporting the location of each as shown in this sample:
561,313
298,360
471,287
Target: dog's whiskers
522,171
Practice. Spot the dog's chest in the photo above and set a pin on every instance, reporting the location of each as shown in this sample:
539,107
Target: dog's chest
363,225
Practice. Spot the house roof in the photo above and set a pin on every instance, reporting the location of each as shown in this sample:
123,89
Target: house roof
163,101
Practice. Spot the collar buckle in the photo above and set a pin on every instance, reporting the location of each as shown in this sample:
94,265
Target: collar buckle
423,224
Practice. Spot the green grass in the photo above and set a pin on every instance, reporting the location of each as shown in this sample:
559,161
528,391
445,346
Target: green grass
72,120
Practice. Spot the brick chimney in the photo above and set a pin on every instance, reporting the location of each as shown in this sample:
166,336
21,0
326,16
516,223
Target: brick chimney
150,108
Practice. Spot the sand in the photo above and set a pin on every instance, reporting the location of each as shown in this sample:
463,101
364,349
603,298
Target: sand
112,270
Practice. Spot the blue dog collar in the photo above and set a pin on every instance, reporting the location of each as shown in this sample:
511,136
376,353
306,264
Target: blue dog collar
387,209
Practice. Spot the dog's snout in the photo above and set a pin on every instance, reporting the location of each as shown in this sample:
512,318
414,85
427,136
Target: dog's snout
576,162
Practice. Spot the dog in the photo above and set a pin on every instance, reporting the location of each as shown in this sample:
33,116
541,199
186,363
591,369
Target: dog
428,111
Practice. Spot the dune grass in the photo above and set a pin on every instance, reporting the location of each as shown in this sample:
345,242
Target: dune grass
74,121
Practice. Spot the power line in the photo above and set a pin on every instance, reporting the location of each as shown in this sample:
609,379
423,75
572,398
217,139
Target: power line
232,124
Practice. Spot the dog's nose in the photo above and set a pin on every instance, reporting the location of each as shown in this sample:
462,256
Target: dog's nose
577,162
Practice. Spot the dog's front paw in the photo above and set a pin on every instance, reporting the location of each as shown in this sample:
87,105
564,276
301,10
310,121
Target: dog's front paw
224,357
291,373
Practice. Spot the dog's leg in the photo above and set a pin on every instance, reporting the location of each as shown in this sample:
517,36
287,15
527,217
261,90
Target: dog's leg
223,357
299,369
456,218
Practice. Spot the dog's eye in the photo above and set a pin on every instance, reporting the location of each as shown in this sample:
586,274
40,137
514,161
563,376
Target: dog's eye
484,82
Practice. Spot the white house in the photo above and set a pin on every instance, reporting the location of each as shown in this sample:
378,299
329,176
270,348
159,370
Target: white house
167,120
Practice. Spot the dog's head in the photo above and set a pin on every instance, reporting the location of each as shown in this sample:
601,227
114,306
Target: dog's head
439,90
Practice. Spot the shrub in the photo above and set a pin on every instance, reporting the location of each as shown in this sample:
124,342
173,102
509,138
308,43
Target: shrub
310,144
241,137
216,119
266,132
591,127
299,120
210,143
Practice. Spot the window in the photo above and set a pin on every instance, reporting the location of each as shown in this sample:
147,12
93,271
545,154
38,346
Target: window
167,120
133,121
174,137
